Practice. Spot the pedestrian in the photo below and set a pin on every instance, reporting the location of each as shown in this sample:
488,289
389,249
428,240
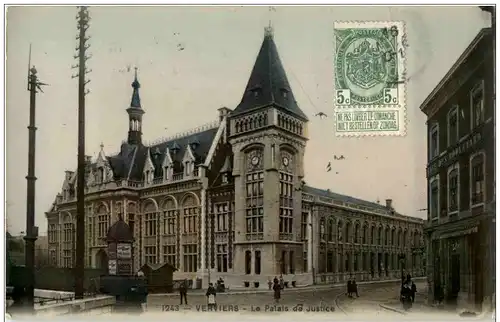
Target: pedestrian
183,291
405,296
282,282
277,290
413,291
270,284
349,288
211,293
355,287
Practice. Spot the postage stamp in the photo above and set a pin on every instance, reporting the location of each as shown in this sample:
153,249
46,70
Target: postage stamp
370,71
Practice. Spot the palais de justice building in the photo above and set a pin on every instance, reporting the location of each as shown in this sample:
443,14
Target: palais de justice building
229,200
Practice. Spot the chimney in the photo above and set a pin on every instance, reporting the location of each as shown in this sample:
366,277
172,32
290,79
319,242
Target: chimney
223,112
388,203
68,175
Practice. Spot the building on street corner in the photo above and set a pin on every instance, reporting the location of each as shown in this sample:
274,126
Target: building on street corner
461,178
229,200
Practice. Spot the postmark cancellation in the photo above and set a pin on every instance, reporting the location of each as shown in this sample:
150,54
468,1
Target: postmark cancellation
370,71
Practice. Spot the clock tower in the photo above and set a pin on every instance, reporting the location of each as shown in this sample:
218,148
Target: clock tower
268,134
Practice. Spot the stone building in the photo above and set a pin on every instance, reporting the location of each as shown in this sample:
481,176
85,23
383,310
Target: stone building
228,199
461,177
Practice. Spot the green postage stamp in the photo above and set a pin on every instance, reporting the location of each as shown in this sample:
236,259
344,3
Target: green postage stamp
370,71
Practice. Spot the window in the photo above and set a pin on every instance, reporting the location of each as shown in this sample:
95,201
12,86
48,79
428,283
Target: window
257,262
190,257
102,225
477,166
254,198
52,233
453,133
291,260
329,262
150,224
365,233
347,229
331,230
190,224
68,233
356,233
355,262
434,198
434,142
379,235
393,236
67,258
322,234
169,254
53,258
221,216
221,257
305,262
150,254
347,267
453,189
170,222
286,205
303,225
372,235
477,105
248,262
386,239
339,231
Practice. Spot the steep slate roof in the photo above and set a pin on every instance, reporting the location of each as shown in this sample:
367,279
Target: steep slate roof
268,77
336,196
132,158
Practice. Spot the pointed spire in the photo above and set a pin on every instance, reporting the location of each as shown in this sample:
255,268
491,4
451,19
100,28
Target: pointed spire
268,84
136,100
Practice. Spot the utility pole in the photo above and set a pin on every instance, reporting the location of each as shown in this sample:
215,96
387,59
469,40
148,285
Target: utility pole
31,230
79,269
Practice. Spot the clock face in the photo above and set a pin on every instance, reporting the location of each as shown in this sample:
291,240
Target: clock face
255,160
285,161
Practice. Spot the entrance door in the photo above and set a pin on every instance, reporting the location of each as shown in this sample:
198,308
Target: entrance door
455,277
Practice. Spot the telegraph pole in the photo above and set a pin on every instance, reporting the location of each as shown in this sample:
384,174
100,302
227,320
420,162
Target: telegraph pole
79,269
31,230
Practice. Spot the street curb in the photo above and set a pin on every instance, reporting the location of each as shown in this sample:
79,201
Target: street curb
296,289
392,309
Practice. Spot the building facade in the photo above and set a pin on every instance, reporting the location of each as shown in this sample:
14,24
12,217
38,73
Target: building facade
229,200
461,178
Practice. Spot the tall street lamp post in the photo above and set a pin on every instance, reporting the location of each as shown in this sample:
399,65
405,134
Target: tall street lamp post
79,270
31,229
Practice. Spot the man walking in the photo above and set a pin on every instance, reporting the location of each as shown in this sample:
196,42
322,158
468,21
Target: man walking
183,291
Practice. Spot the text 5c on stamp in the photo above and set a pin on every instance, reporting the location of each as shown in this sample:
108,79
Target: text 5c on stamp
369,68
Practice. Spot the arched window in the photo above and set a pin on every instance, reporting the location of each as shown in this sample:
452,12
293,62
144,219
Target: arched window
453,190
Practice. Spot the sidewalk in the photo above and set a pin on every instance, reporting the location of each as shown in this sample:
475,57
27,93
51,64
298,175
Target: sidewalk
201,292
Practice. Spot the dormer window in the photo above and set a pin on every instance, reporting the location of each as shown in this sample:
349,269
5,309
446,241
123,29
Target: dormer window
256,91
147,177
100,171
284,92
